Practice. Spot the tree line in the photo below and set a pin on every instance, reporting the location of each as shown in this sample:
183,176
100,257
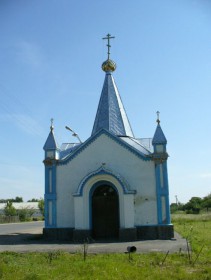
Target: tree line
193,206
17,199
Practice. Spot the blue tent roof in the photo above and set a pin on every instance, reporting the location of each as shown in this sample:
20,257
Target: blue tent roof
50,143
159,137
111,114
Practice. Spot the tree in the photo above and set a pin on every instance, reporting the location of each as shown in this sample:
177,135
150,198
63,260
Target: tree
41,206
174,207
33,200
18,199
206,202
193,206
9,209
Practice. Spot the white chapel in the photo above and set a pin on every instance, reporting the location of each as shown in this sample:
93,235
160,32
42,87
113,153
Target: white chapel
113,186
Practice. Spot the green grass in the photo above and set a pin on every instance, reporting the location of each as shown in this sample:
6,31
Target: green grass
62,265
197,229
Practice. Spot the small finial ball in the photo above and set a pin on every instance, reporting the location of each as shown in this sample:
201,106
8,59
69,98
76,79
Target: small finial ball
109,65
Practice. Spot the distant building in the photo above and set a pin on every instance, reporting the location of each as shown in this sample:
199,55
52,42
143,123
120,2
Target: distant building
113,185
23,205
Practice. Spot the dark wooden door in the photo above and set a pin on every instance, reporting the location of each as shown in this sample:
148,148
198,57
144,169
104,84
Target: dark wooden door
105,213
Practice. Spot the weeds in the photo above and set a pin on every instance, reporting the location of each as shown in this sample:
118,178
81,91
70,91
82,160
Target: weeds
197,231
85,249
163,261
50,256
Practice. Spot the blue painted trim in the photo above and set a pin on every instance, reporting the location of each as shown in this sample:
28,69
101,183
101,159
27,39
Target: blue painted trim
53,200
165,180
50,196
46,192
94,187
101,171
46,178
162,191
54,213
91,139
158,189
54,179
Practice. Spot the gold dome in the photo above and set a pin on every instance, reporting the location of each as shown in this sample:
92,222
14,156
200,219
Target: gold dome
109,65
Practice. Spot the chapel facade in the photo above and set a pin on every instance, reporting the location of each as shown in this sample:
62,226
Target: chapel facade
113,186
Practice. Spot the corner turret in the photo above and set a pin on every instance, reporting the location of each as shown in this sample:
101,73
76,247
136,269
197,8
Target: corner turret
51,148
159,142
160,157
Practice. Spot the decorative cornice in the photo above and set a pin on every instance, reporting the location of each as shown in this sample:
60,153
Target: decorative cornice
159,157
50,161
93,138
104,171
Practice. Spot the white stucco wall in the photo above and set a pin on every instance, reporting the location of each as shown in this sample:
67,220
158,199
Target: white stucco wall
138,173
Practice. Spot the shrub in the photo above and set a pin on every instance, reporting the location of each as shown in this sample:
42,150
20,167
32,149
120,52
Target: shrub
9,209
25,214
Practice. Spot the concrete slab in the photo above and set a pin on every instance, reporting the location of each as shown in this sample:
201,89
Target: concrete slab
32,242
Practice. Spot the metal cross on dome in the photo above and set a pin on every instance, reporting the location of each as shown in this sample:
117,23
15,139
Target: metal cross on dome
108,37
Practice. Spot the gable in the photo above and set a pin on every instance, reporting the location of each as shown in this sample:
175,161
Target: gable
105,141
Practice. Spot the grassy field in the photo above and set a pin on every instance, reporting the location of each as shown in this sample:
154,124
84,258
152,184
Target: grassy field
61,265
197,229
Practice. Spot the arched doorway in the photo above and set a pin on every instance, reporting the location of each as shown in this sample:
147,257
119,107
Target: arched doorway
105,212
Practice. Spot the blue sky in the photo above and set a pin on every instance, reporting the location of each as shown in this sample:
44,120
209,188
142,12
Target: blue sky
50,66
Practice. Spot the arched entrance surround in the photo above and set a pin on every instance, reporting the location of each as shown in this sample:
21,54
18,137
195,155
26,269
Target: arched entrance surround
83,199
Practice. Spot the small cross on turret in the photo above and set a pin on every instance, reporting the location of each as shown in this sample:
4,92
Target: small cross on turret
158,117
52,127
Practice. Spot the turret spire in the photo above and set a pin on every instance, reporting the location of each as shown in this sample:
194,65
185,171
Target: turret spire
51,143
159,137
